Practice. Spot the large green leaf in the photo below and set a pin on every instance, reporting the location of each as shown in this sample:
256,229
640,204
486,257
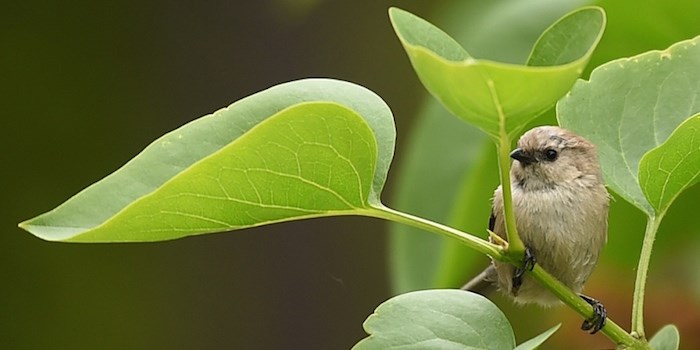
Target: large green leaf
437,319
667,170
498,96
653,25
667,338
303,149
630,106
442,319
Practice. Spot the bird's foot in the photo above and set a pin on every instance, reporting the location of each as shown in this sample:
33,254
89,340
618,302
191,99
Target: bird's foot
597,322
528,264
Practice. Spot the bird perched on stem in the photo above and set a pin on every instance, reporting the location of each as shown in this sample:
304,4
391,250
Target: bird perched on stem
561,211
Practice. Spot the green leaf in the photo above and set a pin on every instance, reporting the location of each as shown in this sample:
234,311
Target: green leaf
630,106
535,342
303,149
437,319
494,95
667,338
673,166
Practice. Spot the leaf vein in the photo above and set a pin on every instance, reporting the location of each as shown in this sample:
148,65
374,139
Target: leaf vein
195,216
304,180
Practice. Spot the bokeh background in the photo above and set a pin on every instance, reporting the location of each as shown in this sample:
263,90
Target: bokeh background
86,85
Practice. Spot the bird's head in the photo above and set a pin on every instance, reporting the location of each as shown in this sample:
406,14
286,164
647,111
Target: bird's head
548,156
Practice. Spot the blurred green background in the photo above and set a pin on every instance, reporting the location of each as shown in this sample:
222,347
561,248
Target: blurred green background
86,85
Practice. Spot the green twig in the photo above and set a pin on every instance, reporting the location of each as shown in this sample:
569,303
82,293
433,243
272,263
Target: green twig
516,248
469,240
515,245
642,270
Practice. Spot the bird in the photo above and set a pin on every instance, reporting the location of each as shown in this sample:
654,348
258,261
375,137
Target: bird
561,209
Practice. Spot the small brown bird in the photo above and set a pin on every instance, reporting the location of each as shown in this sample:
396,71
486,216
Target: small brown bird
561,212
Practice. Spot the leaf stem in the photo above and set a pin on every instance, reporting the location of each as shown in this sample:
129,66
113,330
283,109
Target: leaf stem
515,244
474,242
653,223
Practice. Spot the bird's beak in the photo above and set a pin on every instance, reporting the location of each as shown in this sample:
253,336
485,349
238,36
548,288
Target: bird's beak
522,157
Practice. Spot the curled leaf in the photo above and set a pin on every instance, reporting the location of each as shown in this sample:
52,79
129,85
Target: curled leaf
498,96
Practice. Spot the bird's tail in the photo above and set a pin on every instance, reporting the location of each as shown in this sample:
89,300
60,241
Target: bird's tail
483,283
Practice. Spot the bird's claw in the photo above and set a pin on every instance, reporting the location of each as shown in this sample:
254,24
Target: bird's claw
528,264
597,322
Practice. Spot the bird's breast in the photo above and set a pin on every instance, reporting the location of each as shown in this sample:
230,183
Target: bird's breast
561,229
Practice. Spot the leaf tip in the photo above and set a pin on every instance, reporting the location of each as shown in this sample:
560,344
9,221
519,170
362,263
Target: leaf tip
667,338
49,233
28,226
595,10
394,13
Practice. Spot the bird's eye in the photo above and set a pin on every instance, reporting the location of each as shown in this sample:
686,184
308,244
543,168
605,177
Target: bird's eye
551,154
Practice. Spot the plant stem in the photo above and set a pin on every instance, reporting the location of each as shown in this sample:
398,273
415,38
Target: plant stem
642,270
515,244
474,242
566,295
516,248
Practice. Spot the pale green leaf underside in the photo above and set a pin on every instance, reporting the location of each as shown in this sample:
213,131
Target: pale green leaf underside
307,148
488,93
667,170
437,319
667,338
630,106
